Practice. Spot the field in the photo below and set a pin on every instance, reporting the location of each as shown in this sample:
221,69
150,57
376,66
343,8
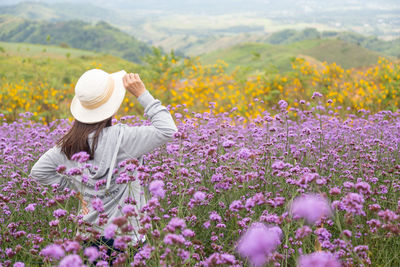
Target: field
259,56
219,178
267,169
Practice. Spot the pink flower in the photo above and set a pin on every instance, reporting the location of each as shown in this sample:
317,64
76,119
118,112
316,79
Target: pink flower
259,242
72,246
128,210
97,204
109,232
188,233
53,251
31,207
170,239
81,157
156,188
176,223
320,259
71,261
54,222
311,207
92,253
59,213
199,196
221,259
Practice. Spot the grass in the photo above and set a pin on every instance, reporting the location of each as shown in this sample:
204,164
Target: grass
261,56
17,60
35,50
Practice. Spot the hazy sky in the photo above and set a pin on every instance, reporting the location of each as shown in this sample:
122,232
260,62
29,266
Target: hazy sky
228,4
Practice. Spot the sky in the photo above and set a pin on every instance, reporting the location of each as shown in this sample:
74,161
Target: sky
264,5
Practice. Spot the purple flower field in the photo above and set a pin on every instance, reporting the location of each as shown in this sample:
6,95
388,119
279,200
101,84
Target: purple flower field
309,190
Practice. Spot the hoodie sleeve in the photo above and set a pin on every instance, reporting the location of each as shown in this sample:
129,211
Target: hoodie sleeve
139,140
45,172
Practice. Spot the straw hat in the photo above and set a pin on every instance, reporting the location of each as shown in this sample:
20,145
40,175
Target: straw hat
98,95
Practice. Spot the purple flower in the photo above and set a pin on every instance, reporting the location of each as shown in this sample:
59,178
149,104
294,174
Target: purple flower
320,259
303,232
31,207
74,171
259,242
278,165
316,94
283,104
81,157
61,168
310,207
171,239
199,196
97,204
53,251
54,222
220,259
92,253
19,264
156,188
353,203
59,213
72,246
388,215
363,188
214,216
188,233
244,153
176,223
228,143
71,261
128,210
85,178
236,205
109,231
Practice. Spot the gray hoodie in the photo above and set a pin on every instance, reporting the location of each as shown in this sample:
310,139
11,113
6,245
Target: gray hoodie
115,144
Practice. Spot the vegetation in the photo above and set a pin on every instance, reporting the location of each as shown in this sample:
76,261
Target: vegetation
100,37
288,36
35,82
261,56
42,77
221,193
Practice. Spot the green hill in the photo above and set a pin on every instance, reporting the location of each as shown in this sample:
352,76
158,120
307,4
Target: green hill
55,65
288,36
100,37
58,11
261,56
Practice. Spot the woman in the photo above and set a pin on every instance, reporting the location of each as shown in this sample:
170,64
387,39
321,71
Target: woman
98,96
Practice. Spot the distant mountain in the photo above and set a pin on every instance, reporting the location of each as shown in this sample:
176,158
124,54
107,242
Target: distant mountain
255,57
100,37
58,11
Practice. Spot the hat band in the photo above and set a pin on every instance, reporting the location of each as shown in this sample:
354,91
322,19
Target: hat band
101,99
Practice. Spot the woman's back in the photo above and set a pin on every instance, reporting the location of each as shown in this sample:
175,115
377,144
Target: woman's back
115,144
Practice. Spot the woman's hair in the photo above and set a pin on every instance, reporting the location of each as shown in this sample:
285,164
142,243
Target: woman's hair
76,139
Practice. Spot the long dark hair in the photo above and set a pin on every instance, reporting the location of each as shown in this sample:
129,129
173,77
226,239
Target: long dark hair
76,139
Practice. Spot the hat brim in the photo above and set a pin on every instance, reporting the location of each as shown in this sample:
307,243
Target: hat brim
106,110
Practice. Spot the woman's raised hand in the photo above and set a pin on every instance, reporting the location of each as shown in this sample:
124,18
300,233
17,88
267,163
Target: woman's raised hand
133,84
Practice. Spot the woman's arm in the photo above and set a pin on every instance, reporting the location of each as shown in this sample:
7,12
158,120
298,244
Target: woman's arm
141,140
45,170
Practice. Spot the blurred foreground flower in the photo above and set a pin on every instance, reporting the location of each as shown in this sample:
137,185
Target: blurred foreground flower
311,207
259,242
